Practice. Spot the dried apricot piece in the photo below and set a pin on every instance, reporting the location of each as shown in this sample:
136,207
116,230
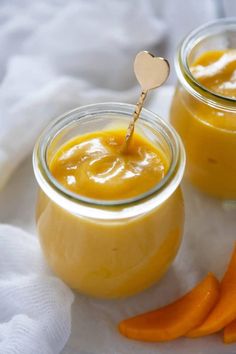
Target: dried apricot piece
225,310
230,333
176,319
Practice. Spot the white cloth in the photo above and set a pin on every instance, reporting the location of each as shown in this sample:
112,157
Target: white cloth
35,307
60,54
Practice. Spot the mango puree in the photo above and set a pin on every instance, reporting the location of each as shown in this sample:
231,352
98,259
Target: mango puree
110,258
209,133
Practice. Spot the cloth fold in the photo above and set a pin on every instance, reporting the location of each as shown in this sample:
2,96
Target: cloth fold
63,54
35,306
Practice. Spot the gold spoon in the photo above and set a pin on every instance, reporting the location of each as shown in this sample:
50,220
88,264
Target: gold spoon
151,72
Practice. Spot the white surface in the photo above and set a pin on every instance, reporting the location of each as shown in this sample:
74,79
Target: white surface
207,245
35,306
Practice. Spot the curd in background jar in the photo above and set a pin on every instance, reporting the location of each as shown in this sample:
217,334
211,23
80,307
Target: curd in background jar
203,109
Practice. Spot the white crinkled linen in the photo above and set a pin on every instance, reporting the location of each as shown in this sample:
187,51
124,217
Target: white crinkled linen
35,306
57,55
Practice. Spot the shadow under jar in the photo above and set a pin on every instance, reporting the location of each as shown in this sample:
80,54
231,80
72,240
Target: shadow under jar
206,120
117,248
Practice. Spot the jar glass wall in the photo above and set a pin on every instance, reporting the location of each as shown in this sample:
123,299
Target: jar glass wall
206,121
109,248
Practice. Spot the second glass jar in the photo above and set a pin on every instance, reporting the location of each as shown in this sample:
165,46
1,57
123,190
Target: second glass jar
206,121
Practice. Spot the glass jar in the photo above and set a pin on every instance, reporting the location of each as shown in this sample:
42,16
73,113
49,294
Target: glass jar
115,248
206,121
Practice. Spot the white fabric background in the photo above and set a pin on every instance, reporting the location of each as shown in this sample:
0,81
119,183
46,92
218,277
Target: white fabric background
56,55
40,77
35,306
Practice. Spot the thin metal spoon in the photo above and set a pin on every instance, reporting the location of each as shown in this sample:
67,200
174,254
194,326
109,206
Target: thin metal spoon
151,72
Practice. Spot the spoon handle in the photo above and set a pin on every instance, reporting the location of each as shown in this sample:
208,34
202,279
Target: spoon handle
136,114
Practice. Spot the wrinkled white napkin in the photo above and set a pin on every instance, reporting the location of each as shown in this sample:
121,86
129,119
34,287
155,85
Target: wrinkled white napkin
35,307
57,55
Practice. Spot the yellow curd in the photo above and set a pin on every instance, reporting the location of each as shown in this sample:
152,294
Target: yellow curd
93,165
106,233
203,112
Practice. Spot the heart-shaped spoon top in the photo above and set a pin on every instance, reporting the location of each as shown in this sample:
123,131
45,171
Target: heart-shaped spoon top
151,72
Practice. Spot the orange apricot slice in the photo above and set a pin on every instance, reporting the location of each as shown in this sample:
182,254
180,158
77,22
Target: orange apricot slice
177,318
225,310
230,333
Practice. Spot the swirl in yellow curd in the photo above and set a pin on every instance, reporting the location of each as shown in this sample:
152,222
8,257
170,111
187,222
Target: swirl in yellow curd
207,129
110,222
216,70
92,165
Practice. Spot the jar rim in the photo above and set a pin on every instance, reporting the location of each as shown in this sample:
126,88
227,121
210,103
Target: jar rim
183,71
49,184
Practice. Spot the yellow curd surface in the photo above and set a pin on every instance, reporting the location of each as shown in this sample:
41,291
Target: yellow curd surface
93,165
110,258
209,133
